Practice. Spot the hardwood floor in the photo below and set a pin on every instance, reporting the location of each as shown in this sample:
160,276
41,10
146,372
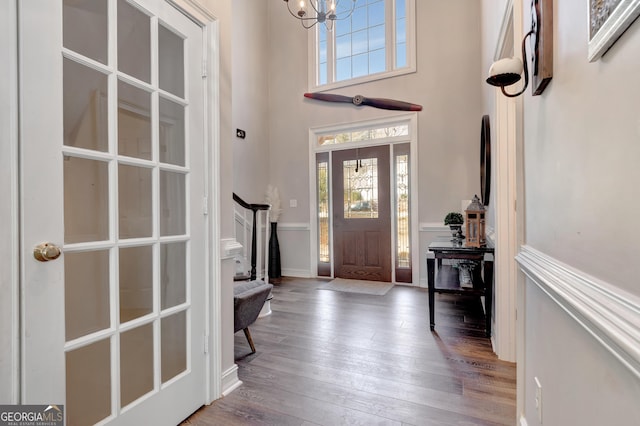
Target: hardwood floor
333,358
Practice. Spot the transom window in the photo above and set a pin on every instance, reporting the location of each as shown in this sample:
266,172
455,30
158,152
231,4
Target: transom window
376,41
373,133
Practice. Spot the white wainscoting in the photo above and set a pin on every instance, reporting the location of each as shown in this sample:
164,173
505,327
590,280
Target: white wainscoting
611,315
305,228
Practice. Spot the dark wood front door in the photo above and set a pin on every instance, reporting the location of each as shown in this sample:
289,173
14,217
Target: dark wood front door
362,214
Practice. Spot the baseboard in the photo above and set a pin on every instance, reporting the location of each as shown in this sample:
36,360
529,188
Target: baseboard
230,380
297,273
610,314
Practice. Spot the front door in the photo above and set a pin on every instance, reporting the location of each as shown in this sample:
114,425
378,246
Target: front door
361,213
112,167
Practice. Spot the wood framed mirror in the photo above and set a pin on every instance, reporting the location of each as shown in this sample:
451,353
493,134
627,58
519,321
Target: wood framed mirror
485,160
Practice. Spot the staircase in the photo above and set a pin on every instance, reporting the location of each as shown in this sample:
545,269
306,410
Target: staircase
251,230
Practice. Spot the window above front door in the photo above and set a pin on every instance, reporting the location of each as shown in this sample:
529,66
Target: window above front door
376,41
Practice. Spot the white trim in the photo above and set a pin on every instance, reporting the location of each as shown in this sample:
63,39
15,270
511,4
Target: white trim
10,245
411,119
230,380
507,137
298,273
194,11
506,31
229,248
433,227
523,421
292,226
198,13
623,16
610,314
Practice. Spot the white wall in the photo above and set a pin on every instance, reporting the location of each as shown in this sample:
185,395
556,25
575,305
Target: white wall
581,146
446,84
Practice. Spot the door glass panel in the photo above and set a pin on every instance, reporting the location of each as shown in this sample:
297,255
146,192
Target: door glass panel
136,282
85,28
173,274
403,248
86,292
86,201
88,372
361,188
85,107
134,121
134,42
171,61
172,203
323,211
134,196
171,131
136,363
174,345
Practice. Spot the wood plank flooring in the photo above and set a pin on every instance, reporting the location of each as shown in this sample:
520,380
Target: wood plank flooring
333,358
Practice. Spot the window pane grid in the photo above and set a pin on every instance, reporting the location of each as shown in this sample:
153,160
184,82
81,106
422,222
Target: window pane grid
359,45
361,188
363,135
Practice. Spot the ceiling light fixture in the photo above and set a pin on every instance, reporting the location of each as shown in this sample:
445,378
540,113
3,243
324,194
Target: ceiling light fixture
312,12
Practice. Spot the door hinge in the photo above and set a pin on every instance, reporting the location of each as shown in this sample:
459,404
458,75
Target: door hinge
205,206
204,68
205,345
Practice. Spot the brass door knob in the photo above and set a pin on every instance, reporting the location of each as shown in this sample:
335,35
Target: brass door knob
45,252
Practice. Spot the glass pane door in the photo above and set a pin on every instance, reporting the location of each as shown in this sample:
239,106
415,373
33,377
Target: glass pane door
112,161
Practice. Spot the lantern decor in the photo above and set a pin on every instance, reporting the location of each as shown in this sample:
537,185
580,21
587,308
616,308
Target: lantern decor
474,217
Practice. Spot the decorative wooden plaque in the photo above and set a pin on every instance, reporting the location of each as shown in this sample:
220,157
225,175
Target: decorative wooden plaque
541,44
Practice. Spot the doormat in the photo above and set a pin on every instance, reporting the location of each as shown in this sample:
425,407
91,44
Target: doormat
376,288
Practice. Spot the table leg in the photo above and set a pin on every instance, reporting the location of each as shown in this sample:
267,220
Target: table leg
488,293
432,286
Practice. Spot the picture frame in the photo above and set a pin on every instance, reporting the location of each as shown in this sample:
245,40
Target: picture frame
608,19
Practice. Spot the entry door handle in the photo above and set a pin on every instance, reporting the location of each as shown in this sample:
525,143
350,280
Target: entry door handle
45,252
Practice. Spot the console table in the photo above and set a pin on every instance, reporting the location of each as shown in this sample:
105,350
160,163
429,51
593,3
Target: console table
446,280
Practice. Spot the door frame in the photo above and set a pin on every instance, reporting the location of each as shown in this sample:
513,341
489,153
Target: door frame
10,284
9,212
509,206
412,120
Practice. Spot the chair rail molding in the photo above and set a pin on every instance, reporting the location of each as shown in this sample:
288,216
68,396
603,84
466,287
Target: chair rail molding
433,227
293,226
609,314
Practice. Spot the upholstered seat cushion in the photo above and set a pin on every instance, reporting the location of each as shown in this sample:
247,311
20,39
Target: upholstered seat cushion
248,299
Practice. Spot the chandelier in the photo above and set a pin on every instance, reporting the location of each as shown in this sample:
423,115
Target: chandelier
311,12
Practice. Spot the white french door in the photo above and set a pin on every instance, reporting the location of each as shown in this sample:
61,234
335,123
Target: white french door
112,165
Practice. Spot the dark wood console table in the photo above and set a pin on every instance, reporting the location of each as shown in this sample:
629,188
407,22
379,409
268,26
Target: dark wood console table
446,280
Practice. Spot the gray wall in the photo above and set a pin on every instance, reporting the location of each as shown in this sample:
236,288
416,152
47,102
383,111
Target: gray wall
581,148
250,102
446,84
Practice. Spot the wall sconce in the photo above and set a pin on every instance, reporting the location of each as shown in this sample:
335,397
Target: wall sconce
507,71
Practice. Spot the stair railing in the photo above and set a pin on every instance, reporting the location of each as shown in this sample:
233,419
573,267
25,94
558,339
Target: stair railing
259,220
